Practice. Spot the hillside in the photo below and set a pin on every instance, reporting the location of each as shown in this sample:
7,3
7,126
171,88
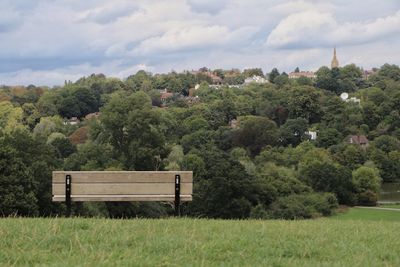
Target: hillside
198,242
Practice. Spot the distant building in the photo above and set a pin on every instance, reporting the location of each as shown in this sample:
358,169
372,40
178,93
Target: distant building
191,100
335,61
72,121
308,74
255,79
94,115
165,95
234,124
215,79
360,140
368,73
354,100
312,135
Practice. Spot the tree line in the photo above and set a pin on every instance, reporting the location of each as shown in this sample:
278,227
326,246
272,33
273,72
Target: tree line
249,147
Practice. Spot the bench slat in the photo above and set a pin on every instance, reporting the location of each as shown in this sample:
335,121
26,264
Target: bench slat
169,198
123,189
122,176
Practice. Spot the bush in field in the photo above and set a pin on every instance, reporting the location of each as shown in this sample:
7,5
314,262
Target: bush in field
303,206
366,182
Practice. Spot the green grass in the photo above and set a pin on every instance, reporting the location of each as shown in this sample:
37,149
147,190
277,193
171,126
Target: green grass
392,206
195,242
369,215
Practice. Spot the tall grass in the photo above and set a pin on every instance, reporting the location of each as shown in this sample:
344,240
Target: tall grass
197,242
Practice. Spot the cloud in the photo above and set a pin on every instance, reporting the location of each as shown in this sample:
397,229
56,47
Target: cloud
52,41
110,12
70,73
192,38
309,29
208,6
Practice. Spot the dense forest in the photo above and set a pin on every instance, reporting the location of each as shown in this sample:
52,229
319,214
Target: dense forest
252,147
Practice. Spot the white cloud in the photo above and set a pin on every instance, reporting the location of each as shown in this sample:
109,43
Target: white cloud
194,37
47,42
314,29
70,73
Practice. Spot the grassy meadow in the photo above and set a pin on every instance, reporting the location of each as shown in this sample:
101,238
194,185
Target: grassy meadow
197,242
369,214
391,206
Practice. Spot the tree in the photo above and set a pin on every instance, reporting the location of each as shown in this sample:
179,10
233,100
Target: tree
390,71
273,74
304,81
253,72
324,175
304,102
226,190
281,80
17,190
135,82
135,132
256,132
328,137
367,182
25,174
293,132
63,146
328,79
351,72
10,117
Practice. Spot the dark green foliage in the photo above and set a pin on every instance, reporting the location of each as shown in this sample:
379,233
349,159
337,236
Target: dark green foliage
253,72
328,137
327,176
255,133
304,102
133,127
17,187
25,175
64,147
293,132
303,206
273,74
225,190
247,146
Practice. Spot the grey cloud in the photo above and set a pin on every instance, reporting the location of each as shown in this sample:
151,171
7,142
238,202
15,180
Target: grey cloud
318,29
208,6
109,14
47,39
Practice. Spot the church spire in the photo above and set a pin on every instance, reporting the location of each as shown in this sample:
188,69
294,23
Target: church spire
335,62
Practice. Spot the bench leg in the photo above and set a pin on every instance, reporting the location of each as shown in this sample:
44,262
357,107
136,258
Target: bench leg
177,195
68,194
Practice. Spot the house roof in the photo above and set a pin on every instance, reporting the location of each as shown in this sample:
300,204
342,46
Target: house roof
358,139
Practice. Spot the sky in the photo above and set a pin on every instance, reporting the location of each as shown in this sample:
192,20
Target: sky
45,42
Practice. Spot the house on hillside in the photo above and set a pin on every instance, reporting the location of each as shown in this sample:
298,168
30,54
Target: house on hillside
296,75
94,115
165,95
360,140
255,79
215,79
312,135
72,121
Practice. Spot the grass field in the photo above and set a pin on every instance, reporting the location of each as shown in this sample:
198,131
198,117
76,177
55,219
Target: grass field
369,215
392,206
197,242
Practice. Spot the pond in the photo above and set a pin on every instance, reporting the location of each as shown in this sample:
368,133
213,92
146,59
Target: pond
390,192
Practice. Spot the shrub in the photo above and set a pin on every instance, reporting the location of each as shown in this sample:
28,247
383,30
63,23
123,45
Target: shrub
303,206
367,198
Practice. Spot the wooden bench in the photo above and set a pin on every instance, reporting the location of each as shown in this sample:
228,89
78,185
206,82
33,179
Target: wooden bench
169,186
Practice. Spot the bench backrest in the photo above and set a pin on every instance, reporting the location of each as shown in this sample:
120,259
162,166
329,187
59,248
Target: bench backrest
122,185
